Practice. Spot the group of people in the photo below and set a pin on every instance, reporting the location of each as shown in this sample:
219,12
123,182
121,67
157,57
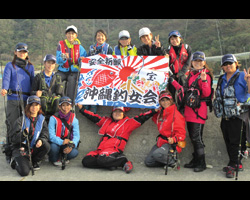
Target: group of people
40,119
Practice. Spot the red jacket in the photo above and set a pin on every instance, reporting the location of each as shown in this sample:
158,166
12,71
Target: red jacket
205,88
115,133
171,118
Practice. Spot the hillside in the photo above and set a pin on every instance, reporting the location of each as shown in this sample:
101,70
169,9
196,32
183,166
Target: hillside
42,35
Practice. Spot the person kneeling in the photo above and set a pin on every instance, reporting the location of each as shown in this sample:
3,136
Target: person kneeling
64,133
33,127
171,127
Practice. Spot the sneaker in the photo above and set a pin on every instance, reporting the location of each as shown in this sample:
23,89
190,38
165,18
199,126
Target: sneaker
57,163
229,171
225,169
128,167
36,166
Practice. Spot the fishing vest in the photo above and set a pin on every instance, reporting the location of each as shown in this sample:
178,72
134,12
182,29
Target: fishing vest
62,131
47,90
177,61
226,105
118,51
74,53
38,128
103,50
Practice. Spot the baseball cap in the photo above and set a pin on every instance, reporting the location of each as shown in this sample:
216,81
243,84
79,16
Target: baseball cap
198,55
33,99
65,100
166,95
124,34
118,108
49,57
174,33
144,31
22,47
228,58
72,27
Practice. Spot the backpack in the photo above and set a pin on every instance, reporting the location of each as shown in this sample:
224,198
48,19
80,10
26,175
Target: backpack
191,96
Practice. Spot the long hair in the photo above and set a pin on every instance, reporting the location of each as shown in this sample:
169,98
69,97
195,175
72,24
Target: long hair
14,61
27,111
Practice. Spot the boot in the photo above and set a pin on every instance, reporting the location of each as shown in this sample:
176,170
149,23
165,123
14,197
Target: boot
192,163
201,164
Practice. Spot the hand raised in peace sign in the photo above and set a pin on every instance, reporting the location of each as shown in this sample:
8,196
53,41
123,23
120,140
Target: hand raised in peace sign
157,42
247,76
203,75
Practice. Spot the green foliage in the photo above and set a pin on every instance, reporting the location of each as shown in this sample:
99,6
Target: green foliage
42,35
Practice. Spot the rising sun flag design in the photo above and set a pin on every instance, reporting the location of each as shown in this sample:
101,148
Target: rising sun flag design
129,81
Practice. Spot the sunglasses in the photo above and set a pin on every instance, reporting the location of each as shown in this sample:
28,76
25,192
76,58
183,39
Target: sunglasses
227,63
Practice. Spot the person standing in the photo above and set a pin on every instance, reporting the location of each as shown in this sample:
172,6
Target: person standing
16,84
125,47
48,86
198,87
68,55
150,47
232,89
179,58
100,47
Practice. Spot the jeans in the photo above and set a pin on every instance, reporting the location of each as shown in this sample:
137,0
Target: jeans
55,151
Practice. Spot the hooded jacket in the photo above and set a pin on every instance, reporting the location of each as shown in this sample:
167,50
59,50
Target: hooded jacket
172,124
115,133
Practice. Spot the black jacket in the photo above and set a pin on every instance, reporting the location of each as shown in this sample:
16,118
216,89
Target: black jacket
145,50
17,137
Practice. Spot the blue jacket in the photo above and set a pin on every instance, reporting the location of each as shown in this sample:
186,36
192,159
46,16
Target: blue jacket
58,140
240,86
13,77
60,61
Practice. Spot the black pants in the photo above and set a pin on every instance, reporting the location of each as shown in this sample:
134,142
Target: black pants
103,161
231,130
195,131
23,163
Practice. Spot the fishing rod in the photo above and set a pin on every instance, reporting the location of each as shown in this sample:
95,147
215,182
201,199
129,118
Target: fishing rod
25,133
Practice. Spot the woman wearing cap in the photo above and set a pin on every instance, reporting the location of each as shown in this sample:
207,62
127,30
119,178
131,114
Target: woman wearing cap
68,55
64,132
48,87
200,78
232,87
179,58
34,128
149,47
101,46
125,47
171,126
16,83
115,131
